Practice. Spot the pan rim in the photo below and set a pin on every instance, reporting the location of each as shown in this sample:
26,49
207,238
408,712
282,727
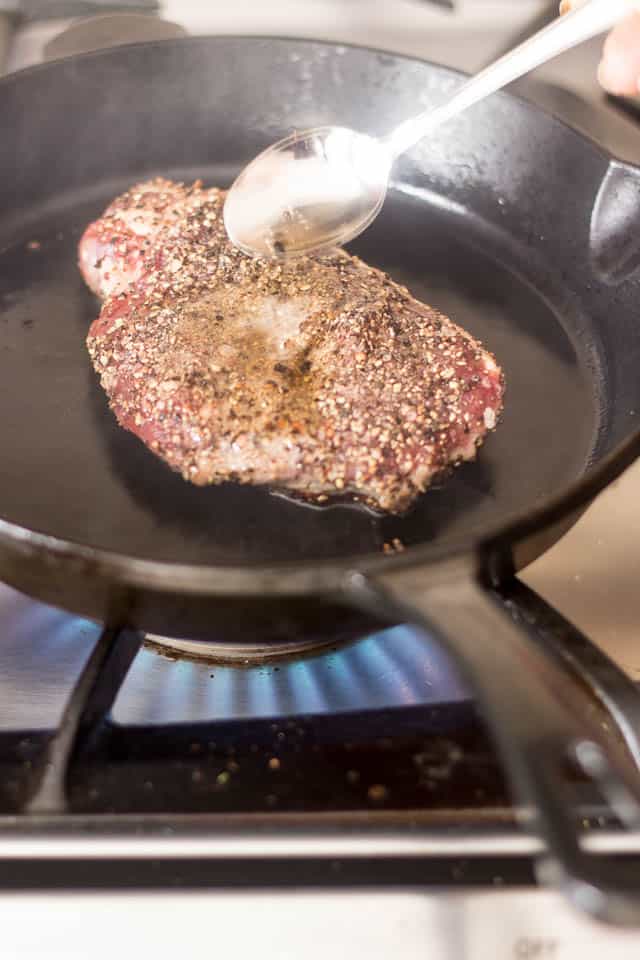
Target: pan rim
314,577
597,147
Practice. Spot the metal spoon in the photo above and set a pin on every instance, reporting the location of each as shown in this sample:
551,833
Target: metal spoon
321,188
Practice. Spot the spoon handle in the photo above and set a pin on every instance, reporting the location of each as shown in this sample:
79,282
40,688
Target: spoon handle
588,20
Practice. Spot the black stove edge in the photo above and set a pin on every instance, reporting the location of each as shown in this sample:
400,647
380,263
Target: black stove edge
278,873
280,858
366,850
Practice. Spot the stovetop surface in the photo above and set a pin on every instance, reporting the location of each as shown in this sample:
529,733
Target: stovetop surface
588,576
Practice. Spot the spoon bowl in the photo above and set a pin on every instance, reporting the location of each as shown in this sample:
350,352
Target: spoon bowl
309,192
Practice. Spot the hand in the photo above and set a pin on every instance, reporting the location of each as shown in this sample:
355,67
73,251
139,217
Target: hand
619,70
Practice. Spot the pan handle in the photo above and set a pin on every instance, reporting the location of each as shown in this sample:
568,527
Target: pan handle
536,718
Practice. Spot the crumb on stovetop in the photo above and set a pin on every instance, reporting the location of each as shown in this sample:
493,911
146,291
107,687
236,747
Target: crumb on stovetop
394,546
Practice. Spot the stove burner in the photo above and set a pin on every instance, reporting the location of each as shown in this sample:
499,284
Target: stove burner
292,635
238,653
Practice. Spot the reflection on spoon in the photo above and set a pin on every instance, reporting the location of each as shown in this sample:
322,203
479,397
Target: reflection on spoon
308,193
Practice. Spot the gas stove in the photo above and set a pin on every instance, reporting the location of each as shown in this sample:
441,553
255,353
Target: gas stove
344,795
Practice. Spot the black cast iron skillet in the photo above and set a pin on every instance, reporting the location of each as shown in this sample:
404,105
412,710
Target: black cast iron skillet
519,228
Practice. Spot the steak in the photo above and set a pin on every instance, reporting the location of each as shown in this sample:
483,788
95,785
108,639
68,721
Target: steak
319,375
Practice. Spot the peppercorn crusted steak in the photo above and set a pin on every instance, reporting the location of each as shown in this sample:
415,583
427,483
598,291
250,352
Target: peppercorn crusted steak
319,375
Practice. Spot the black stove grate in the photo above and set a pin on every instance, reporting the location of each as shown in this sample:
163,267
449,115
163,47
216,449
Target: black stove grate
428,758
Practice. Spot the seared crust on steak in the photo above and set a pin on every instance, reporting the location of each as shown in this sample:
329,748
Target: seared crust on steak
320,375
